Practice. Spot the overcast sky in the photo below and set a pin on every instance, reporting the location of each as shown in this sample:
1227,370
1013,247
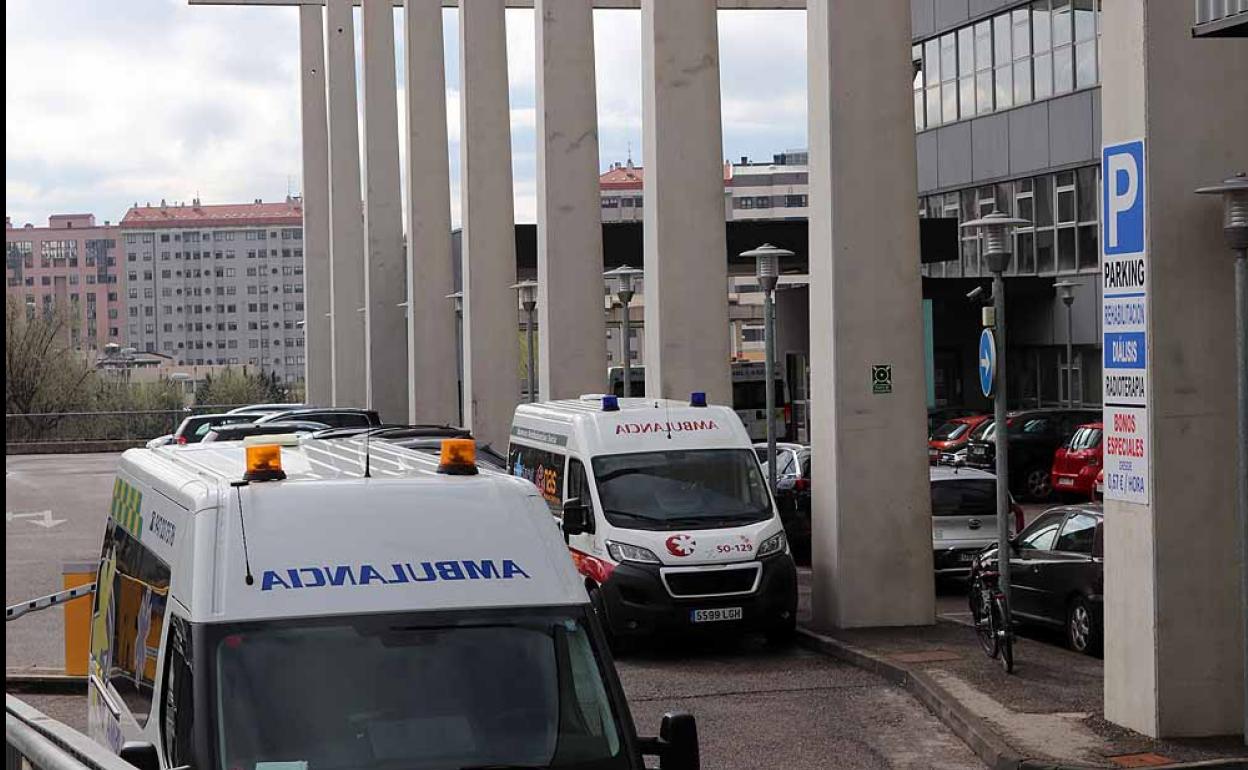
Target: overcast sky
111,103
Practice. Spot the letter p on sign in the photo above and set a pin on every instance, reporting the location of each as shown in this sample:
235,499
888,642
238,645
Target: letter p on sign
1122,197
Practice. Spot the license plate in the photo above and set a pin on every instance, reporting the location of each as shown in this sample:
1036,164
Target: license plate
711,616
1065,482
965,556
933,452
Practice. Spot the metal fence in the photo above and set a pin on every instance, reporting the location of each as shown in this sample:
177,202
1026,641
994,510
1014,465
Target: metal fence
84,430
34,740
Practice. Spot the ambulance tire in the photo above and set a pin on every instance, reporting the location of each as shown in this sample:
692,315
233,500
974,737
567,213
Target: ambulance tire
783,634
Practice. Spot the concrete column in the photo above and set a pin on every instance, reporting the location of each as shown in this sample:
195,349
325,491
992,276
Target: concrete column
872,538
1173,641
491,332
346,221
571,327
686,281
432,333
317,329
384,291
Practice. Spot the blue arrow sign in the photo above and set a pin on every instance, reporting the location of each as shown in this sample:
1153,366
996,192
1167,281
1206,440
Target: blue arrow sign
987,363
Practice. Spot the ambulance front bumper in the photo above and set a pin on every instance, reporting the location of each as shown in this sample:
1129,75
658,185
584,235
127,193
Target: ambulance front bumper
649,599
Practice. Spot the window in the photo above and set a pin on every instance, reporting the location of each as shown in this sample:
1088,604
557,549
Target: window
1079,534
543,468
1042,532
132,590
964,497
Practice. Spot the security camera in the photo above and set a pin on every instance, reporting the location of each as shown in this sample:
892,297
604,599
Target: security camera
976,294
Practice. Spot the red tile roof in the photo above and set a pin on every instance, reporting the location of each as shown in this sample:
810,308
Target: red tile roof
631,177
223,215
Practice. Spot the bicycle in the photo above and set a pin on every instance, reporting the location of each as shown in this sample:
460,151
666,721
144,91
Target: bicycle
989,609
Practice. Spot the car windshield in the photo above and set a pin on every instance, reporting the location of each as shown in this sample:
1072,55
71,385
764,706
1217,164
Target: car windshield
983,431
1085,438
415,692
682,489
950,431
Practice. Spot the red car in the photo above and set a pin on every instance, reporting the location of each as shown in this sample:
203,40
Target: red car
951,436
1076,465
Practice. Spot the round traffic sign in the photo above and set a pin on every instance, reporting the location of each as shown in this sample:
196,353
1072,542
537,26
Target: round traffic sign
987,363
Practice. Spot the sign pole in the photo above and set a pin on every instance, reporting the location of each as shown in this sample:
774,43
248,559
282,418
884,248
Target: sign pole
1001,430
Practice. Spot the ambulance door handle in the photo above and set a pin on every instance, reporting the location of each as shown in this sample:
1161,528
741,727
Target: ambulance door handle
109,703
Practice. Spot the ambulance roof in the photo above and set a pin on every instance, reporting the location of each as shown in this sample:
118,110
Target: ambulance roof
328,541
639,425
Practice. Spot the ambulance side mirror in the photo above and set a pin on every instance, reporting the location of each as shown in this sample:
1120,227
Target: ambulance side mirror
140,754
575,517
677,744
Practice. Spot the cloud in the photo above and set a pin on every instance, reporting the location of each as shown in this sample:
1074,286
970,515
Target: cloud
112,103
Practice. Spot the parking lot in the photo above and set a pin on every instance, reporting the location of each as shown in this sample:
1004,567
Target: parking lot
756,706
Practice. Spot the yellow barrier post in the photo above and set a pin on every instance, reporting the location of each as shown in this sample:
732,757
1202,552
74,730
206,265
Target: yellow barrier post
77,617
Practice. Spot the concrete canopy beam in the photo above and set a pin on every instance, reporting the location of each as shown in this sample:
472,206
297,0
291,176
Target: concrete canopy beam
385,324
317,329
571,356
346,221
432,335
872,526
491,334
687,329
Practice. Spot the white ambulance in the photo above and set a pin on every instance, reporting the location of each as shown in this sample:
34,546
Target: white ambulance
665,510
287,604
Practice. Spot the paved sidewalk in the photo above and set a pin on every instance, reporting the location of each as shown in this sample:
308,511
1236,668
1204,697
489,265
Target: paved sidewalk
1050,709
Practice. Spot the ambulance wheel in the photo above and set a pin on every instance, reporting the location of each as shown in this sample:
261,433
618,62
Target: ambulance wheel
783,634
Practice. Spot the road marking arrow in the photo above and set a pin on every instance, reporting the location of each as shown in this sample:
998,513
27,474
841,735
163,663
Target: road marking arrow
41,518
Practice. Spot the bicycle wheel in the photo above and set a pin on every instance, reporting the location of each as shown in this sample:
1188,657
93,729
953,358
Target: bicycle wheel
986,626
1005,646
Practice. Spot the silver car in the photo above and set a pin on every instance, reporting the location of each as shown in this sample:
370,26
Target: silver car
964,516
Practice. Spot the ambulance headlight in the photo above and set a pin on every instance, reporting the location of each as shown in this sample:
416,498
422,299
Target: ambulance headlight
773,544
626,552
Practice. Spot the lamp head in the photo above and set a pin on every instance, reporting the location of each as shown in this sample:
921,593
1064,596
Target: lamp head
767,264
995,230
1234,192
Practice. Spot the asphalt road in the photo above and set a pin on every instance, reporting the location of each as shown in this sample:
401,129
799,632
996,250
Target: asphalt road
756,706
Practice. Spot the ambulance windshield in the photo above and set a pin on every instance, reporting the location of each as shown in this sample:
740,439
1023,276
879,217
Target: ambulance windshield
517,688
682,489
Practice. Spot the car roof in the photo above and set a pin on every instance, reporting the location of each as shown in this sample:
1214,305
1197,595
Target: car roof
947,473
260,428
265,408
294,414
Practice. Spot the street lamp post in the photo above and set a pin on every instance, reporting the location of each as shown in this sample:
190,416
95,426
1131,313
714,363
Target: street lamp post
996,233
1234,192
1067,290
623,277
767,268
457,298
528,302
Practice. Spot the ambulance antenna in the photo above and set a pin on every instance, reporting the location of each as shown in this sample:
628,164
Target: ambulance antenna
367,456
238,485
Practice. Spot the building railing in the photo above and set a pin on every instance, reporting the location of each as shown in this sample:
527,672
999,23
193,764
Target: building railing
105,429
34,740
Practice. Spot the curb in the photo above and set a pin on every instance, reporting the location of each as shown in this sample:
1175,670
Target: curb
975,731
36,682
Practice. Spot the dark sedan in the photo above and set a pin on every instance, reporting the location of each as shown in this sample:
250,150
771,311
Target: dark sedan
1057,573
1034,437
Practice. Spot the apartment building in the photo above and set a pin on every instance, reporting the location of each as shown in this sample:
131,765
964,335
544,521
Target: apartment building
217,284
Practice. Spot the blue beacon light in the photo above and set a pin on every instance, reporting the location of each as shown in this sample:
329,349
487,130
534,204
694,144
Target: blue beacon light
610,404
697,398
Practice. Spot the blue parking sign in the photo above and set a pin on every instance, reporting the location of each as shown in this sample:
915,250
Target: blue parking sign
1122,197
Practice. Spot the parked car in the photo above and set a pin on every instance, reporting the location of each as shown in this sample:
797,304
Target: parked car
1099,494
194,428
952,436
939,415
266,408
1057,573
1077,463
334,417
792,494
160,441
240,431
964,517
1034,436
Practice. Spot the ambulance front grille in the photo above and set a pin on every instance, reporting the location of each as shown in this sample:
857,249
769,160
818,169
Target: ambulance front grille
716,581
